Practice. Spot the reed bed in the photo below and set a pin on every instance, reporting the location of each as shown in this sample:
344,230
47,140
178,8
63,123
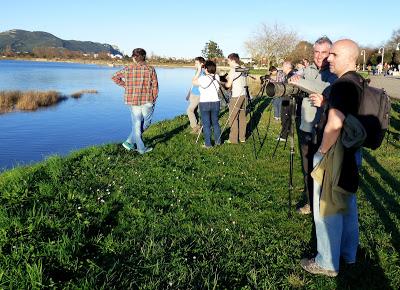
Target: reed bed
32,100
79,94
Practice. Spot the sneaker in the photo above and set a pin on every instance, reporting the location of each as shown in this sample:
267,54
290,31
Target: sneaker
280,139
128,146
205,146
312,267
229,142
304,209
242,141
147,150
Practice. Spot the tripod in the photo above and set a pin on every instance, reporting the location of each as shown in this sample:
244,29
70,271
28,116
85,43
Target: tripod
292,120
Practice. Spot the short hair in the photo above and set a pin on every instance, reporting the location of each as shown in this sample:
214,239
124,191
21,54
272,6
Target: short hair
210,66
272,68
323,39
139,54
200,59
234,57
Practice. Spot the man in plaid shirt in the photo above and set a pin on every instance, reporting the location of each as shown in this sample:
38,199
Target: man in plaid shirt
141,91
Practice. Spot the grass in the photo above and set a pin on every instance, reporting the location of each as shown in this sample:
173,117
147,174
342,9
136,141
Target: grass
33,100
182,217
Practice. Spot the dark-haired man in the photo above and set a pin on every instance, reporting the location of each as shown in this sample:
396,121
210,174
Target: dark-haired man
141,91
237,105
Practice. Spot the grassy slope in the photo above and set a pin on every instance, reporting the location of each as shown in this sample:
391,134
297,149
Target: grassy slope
184,217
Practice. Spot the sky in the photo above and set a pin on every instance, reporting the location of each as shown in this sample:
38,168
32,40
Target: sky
182,28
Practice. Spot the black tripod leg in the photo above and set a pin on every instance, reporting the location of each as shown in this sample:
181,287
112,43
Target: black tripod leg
292,118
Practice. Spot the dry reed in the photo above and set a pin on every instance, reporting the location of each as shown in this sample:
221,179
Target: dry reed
29,100
79,94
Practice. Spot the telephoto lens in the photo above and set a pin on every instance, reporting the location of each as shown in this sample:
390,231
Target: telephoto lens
278,90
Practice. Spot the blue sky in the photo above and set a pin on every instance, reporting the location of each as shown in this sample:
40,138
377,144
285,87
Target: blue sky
181,28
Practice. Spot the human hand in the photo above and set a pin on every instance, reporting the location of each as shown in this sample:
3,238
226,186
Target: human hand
294,79
316,99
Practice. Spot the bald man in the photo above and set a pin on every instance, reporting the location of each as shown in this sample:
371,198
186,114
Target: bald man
337,226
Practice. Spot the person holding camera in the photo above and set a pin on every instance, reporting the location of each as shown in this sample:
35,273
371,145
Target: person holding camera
317,78
209,101
288,72
194,98
237,105
141,91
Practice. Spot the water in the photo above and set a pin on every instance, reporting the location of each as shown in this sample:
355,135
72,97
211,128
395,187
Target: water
27,137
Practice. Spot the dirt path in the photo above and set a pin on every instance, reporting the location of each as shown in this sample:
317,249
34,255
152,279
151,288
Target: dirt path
390,84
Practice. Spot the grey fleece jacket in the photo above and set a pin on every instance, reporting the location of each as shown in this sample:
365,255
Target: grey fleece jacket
317,81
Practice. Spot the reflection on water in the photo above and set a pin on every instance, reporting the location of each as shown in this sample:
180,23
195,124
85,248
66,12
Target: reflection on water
94,119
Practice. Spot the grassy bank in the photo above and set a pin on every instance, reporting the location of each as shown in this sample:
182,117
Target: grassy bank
182,217
33,100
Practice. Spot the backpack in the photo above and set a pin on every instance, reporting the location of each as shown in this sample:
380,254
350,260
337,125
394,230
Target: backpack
373,113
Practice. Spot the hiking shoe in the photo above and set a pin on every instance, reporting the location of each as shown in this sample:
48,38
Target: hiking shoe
128,146
312,267
147,150
304,209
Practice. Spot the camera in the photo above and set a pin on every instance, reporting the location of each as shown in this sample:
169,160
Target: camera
263,78
277,90
242,69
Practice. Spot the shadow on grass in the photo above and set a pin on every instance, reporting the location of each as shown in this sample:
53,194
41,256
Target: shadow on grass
386,176
164,137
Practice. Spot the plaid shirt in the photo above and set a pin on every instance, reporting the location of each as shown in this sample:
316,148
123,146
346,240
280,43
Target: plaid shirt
140,83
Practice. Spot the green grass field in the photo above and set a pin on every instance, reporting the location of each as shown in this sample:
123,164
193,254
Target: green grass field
183,217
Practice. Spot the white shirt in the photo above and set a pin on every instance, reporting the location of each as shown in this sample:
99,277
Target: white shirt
238,83
209,88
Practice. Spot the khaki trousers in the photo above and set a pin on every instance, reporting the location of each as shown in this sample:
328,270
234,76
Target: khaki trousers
193,104
237,120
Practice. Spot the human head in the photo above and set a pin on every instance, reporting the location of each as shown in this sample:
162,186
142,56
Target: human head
273,70
233,59
343,56
210,67
200,60
139,55
287,67
321,51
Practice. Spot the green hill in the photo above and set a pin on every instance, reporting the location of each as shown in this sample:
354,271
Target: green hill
184,217
26,41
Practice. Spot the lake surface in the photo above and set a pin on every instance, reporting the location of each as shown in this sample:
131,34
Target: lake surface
94,119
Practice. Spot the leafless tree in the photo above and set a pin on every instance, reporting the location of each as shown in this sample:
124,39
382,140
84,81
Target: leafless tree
271,44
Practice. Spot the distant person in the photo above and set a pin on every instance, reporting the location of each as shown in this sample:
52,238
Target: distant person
318,78
237,105
209,101
276,76
141,91
194,98
306,62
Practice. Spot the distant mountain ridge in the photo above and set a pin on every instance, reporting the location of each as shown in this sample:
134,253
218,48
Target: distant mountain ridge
25,41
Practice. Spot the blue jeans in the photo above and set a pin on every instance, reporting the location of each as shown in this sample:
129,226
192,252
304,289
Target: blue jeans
141,120
337,235
277,103
209,115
